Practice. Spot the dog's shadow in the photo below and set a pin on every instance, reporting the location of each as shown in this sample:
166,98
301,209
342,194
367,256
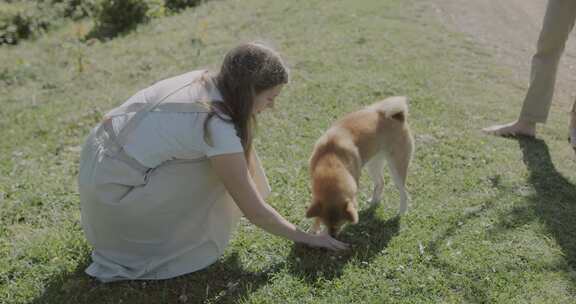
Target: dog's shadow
368,238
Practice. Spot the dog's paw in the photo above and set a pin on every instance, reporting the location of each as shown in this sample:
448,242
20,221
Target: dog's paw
313,230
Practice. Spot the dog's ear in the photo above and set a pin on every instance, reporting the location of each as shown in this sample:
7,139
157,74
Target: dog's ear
314,210
399,117
351,213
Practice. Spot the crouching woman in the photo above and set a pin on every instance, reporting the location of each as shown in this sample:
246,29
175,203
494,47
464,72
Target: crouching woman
165,177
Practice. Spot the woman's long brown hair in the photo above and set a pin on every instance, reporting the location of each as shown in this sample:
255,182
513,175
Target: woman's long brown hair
246,71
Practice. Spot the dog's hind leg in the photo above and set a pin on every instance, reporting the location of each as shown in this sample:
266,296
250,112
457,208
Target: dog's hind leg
398,162
375,169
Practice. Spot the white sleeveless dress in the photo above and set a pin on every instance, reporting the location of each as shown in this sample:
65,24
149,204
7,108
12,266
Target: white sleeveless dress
151,205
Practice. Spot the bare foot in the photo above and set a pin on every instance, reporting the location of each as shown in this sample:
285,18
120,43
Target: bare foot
516,128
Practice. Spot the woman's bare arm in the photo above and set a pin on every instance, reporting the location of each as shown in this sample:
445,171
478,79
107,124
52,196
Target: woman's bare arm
233,171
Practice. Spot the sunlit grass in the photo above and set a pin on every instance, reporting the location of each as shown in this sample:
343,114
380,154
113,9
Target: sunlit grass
492,220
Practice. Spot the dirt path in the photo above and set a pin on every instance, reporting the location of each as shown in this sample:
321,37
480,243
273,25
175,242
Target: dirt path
510,28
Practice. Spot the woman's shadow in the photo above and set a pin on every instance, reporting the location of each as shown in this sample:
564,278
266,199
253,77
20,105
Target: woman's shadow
368,238
554,200
226,281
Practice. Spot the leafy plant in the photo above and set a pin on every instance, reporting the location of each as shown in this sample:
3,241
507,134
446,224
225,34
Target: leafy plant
23,20
115,17
177,5
75,9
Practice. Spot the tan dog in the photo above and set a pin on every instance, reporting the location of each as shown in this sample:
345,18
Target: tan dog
370,136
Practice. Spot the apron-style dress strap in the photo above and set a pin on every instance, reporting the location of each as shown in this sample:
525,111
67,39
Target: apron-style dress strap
138,116
116,140
117,150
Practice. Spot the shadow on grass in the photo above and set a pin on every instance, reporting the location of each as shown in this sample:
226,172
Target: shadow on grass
226,281
223,282
555,198
473,290
368,238
553,203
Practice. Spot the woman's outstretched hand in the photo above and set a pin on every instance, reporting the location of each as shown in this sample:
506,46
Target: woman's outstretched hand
325,241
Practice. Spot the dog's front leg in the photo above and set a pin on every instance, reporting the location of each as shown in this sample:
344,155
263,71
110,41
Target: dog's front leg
316,226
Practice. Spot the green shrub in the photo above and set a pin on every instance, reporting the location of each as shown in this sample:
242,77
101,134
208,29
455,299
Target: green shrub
23,20
75,9
114,17
156,8
176,5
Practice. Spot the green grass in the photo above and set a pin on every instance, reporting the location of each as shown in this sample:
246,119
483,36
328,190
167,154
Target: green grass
492,220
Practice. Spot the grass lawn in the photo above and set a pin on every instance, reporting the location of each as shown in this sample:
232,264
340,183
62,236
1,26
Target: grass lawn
492,221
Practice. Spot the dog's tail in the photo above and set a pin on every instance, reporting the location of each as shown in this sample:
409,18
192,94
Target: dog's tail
395,107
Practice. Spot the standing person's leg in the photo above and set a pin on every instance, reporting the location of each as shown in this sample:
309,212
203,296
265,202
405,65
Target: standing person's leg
572,129
557,25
